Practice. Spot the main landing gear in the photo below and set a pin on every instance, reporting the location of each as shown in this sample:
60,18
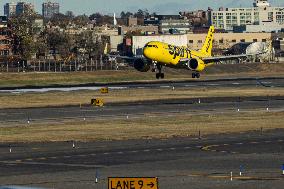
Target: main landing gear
195,75
159,74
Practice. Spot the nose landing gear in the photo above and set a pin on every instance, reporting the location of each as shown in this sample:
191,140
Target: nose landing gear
159,74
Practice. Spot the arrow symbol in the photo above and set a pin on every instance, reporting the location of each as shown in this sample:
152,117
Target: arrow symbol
151,184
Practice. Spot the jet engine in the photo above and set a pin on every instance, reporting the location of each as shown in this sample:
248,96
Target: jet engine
196,64
142,65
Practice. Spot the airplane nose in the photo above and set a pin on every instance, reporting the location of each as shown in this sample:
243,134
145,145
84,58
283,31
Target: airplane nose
147,52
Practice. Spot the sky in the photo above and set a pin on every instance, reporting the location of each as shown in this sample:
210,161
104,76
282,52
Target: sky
160,6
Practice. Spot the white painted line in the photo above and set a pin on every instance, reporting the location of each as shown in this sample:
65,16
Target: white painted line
159,149
187,147
236,83
146,150
240,143
106,153
134,151
172,148
119,152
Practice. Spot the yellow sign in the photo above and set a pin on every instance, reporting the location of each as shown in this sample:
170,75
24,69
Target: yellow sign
133,183
104,90
97,102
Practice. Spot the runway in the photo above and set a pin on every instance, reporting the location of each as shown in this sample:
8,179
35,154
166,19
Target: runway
141,109
177,162
235,82
183,163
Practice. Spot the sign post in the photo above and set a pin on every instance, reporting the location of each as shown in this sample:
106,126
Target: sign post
133,182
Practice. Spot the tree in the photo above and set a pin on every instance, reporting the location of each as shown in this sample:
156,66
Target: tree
60,43
60,20
81,20
25,36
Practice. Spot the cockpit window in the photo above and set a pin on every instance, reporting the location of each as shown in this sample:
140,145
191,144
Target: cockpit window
155,46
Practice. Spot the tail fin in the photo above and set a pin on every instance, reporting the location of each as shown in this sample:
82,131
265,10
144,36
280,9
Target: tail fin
207,46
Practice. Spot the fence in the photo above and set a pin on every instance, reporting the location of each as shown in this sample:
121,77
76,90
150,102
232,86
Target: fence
60,66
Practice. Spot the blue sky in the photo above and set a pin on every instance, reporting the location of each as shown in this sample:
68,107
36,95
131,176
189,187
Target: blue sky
159,6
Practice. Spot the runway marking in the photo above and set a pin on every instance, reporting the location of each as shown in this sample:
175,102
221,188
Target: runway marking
209,147
146,150
66,156
42,158
106,153
172,148
159,149
52,157
120,153
240,143
29,159
134,151
90,155
187,147
51,164
82,155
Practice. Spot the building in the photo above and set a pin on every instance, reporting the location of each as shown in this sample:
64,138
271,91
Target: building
226,40
132,21
143,30
6,41
263,27
49,9
170,26
3,21
23,7
10,9
155,20
260,14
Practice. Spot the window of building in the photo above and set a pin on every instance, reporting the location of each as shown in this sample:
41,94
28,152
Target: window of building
234,41
263,40
243,40
254,40
221,41
190,41
199,41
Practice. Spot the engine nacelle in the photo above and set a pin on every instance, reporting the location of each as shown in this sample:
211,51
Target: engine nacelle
196,64
142,65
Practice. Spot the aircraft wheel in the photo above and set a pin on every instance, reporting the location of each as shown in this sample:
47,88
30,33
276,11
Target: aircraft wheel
162,75
157,75
197,75
193,75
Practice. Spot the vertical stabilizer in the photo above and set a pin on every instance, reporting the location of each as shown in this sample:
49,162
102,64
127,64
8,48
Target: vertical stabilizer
207,46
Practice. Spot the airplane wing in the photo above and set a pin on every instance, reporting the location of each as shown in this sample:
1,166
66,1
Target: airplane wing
212,59
222,58
123,57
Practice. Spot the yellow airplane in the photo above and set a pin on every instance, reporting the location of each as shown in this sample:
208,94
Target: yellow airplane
158,54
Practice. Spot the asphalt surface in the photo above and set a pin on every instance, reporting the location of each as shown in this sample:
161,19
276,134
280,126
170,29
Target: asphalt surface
177,162
237,82
140,109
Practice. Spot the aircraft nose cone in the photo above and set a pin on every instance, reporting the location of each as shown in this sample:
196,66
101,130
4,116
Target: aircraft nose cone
146,52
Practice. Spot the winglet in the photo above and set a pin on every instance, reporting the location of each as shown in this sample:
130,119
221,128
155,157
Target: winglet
207,46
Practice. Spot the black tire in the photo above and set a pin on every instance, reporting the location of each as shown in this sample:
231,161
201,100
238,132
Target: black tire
193,75
162,75
157,75
197,75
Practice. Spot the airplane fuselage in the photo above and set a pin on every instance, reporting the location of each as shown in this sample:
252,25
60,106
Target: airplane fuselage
169,55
